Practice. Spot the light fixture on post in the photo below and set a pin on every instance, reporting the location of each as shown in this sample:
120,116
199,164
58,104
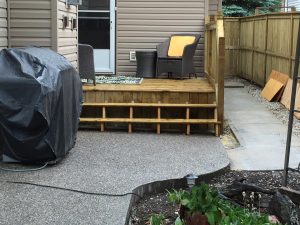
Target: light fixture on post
191,180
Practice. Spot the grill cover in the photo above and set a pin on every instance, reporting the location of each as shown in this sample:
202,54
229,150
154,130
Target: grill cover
40,104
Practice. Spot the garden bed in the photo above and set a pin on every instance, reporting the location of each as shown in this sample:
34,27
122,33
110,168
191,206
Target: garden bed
159,204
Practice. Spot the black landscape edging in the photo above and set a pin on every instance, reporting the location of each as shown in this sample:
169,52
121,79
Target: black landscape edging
160,186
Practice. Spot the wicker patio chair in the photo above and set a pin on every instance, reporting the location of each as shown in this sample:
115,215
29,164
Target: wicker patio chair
86,62
180,59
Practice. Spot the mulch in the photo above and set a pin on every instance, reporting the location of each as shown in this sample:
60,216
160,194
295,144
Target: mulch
158,204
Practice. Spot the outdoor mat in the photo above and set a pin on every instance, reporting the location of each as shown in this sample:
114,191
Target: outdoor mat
115,80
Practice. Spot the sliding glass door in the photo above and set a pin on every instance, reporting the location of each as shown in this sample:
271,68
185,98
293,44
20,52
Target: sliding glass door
96,27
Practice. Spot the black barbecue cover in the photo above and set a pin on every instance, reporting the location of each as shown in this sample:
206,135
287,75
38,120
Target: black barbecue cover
40,104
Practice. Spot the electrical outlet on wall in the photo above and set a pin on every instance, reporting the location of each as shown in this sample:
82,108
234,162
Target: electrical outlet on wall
132,56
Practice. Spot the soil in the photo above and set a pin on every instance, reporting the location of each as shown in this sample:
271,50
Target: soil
158,204
228,138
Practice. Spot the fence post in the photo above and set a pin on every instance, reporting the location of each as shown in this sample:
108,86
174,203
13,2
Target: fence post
291,46
220,59
253,50
266,47
220,84
239,51
214,65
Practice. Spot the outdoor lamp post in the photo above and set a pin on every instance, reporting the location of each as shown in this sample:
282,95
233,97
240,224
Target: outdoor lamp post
191,180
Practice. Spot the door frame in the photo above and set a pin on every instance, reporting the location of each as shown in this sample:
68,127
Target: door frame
112,59
112,50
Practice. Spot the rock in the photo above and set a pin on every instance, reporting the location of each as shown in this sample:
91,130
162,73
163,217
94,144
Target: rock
274,220
239,186
294,195
282,206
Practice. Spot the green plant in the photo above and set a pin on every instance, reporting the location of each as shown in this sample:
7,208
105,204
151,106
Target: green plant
157,219
178,221
218,211
234,215
201,199
177,196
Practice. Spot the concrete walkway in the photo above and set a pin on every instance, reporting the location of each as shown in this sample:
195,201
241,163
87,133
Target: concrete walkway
261,135
113,163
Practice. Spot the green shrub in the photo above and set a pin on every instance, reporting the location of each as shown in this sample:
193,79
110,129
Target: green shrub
247,7
218,211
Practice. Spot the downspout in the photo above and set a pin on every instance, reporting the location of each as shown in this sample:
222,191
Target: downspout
8,24
220,6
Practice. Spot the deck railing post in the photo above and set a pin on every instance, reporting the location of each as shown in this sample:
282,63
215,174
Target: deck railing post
130,117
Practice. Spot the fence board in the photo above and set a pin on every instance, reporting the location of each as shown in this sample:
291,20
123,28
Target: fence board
258,44
232,43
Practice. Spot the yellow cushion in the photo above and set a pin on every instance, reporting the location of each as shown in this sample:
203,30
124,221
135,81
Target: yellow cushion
177,44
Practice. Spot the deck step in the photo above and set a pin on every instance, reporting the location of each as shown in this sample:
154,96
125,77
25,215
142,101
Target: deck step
157,119
147,120
162,105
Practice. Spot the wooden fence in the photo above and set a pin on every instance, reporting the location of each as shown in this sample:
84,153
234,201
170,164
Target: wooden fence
256,45
214,59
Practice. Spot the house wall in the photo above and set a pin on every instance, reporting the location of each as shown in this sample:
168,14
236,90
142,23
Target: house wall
214,6
39,23
67,37
142,24
30,23
3,24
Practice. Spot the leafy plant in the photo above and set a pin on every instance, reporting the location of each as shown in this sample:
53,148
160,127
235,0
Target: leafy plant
178,221
201,199
237,215
177,196
157,219
206,200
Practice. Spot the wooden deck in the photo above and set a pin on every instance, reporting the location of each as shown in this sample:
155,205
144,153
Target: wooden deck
199,85
159,102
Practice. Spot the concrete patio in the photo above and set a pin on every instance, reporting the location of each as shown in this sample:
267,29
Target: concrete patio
112,163
261,135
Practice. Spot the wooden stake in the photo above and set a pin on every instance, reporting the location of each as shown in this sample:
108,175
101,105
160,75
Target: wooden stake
130,117
103,116
217,126
158,117
188,126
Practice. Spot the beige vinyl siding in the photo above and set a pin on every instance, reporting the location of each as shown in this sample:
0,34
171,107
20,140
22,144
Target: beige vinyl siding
3,24
39,23
30,23
214,6
143,24
67,37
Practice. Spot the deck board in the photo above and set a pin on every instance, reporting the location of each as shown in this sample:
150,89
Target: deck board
199,85
175,104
